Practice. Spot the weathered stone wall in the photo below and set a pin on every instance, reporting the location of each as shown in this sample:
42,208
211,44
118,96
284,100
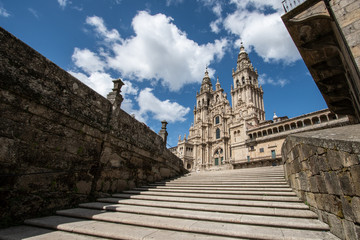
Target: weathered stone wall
62,143
323,167
347,13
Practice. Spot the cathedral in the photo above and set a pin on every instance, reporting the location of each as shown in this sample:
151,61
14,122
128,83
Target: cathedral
224,135
219,130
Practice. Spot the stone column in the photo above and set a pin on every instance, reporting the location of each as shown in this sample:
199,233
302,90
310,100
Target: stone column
115,97
163,133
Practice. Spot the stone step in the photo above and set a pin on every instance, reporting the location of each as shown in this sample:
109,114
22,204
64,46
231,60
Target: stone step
230,188
217,196
210,192
191,225
226,183
29,232
237,204
212,181
268,211
252,203
275,221
115,230
278,185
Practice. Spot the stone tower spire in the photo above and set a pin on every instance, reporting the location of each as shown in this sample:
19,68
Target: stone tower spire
206,83
217,86
203,98
247,94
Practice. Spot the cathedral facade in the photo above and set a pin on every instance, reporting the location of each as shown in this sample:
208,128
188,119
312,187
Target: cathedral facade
226,136
219,130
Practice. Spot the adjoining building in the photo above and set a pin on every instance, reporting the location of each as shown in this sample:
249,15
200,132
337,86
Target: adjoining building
227,136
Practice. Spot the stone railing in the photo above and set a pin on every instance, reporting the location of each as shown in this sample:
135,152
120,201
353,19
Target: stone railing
323,167
255,159
62,143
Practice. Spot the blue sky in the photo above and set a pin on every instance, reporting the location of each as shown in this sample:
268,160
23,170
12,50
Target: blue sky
160,49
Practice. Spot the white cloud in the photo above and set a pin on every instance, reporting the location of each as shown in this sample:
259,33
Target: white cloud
128,106
215,25
258,23
4,13
161,110
100,28
33,12
264,79
63,3
128,89
217,9
98,81
160,51
258,4
173,2
87,60
265,33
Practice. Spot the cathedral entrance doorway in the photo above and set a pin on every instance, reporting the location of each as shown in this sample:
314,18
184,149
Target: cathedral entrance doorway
218,157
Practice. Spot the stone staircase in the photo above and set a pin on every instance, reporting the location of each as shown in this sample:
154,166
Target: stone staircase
235,204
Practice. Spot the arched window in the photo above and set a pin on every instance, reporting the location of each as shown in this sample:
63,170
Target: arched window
307,122
237,82
217,120
217,133
243,80
323,118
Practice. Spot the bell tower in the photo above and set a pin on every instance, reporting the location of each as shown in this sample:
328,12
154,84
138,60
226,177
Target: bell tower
246,95
203,99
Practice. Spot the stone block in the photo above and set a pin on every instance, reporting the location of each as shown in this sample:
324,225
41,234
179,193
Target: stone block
165,172
322,163
313,184
329,203
349,160
336,226
321,183
310,199
313,165
357,232
332,183
303,181
296,165
131,184
349,229
355,178
334,160
83,187
121,185
355,205
321,151
305,165
306,151
347,208
345,183
136,161
323,216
